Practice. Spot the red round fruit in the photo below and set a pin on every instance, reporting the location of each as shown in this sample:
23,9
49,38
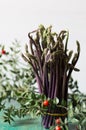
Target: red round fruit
3,52
46,103
58,121
58,128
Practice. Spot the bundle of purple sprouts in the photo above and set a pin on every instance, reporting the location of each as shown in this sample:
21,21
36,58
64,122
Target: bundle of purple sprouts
52,64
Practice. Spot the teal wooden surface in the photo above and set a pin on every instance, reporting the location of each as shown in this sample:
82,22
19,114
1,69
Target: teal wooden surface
22,124
27,124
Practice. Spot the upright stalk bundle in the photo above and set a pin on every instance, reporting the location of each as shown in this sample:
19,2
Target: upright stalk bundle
52,63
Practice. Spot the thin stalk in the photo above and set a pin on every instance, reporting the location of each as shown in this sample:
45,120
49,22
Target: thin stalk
37,50
64,84
50,79
35,72
60,78
45,79
57,80
52,93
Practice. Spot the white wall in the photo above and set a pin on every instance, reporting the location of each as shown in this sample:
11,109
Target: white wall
18,17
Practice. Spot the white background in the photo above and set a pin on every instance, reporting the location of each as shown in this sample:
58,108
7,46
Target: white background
18,17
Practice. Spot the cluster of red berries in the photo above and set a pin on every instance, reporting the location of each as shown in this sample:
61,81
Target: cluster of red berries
58,123
3,51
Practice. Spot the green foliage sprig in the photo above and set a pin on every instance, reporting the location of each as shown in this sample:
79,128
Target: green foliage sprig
77,105
14,76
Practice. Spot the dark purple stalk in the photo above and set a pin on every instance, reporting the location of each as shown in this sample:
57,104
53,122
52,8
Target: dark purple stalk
39,83
64,83
74,61
31,46
60,79
38,78
48,119
45,79
50,80
56,81
52,93
38,51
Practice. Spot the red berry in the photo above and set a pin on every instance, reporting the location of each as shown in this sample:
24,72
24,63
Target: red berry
3,52
46,103
58,128
58,121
